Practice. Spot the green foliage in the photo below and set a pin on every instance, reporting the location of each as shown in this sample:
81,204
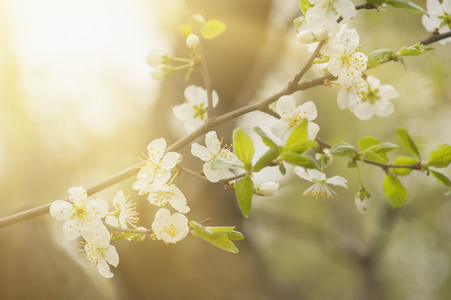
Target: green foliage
212,29
300,160
408,142
373,150
244,189
406,5
395,191
298,22
414,50
217,164
379,56
304,5
185,30
220,237
267,158
404,161
343,149
244,148
265,138
136,237
441,178
297,136
440,157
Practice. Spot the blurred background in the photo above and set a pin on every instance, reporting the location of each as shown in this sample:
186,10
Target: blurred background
77,105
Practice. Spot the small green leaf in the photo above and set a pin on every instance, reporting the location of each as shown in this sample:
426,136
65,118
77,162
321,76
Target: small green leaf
267,158
440,157
300,160
379,56
218,164
374,156
395,191
304,5
220,237
367,142
185,30
370,145
136,237
404,161
414,50
343,149
376,2
386,147
298,22
265,138
441,178
407,5
297,136
243,146
212,29
408,142
244,189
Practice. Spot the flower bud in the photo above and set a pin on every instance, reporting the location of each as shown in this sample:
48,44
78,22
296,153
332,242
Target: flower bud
192,41
157,57
362,201
325,157
267,189
160,72
306,37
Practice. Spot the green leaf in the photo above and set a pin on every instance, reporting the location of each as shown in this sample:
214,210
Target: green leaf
300,160
367,142
370,145
297,136
304,146
185,30
267,158
265,138
220,237
298,22
441,178
407,5
386,147
414,50
212,29
404,161
376,2
440,157
243,146
395,191
373,156
136,237
408,142
304,5
244,189
379,56
343,149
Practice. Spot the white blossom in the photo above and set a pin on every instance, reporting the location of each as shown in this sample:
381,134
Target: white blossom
163,194
193,112
98,251
157,57
320,185
125,212
79,213
362,201
345,61
157,167
213,151
170,228
366,98
192,41
291,115
267,189
439,18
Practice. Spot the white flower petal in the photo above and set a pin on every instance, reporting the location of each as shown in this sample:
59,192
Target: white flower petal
169,160
72,228
61,210
111,255
104,268
201,152
308,110
216,175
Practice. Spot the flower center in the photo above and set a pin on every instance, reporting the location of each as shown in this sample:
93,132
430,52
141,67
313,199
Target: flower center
92,253
371,95
446,20
200,111
171,230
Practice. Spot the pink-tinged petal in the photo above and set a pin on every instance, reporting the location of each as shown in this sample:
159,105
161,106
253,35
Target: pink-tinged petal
313,130
61,210
104,268
286,106
77,195
111,255
97,208
201,152
337,180
216,175
72,228
162,176
308,110
169,160
301,172
212,142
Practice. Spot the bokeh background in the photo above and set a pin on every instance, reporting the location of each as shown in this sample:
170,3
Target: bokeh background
77,105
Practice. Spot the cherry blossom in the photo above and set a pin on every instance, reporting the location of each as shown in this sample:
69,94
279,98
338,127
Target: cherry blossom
164,194
291,115
170,228
320,185
79,213
125,212
439,18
